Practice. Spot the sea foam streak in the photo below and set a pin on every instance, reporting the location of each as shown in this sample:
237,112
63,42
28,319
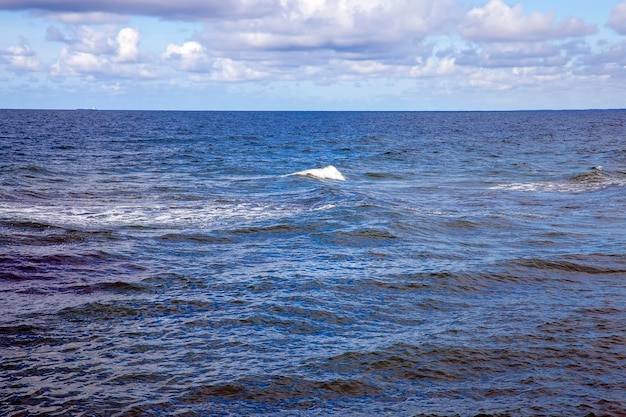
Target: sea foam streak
156,216
326,173
591,180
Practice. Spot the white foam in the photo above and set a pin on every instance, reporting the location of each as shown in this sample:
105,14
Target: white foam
560,186
326,207
326,173
594,179
207,215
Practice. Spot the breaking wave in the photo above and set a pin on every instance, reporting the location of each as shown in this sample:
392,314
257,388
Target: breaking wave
594,179
326,173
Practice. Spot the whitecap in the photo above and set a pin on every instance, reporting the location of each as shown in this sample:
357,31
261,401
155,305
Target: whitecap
326,173
567,186
592,180
325,207
207,215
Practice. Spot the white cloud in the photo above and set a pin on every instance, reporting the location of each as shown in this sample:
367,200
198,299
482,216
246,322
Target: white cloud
82,62
319,40
194,58
512,54
93,54
191,56
524,79
610,61
20,58
617,21
225,69
342,26
90,40
303,39
442,46
497,22
434,67
366,67
326,40
127,40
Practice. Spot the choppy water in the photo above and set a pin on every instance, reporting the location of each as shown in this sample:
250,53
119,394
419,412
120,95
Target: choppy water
166,263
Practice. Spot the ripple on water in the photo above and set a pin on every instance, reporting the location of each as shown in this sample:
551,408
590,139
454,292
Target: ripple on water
163,265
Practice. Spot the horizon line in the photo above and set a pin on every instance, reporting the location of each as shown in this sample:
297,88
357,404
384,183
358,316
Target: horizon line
94,109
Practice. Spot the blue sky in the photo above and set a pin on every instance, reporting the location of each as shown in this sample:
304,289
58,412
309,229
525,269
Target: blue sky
313,54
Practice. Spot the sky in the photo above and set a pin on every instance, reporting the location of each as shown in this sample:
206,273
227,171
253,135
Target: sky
313,54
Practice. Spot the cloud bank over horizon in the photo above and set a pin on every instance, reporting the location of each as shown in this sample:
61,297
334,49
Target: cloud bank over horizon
321,54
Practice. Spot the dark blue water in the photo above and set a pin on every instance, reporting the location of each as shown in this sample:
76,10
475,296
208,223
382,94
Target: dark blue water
166,263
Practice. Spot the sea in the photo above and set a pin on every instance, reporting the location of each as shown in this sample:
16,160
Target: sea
165,263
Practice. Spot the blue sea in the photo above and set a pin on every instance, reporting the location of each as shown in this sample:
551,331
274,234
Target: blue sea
312,263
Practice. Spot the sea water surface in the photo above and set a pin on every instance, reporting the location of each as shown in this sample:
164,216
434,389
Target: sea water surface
455,264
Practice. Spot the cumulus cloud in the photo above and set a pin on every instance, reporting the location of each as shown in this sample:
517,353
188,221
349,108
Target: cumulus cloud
513,54
339,25
92,54
195,58
298,39
617,21
612,59
20,58
324,39
225,69
88,39
446,43
354,25
127,40
497,22
251,39
191,56
434,66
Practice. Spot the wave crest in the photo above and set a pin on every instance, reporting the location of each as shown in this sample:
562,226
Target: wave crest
327,173
592,180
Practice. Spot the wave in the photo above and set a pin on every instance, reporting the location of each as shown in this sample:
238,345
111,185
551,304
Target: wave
594,179
20,267
597,264
287,389
93,218
78,222
327,173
